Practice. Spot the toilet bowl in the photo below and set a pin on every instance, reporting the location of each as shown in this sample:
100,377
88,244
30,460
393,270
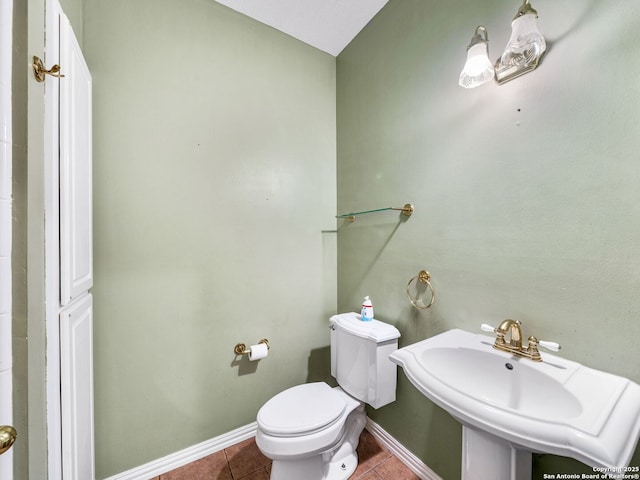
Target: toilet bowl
311,431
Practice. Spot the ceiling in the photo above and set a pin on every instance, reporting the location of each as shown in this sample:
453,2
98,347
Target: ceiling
328,25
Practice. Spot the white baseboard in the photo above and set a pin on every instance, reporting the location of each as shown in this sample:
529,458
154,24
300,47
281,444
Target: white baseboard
196,452
405,456
191,454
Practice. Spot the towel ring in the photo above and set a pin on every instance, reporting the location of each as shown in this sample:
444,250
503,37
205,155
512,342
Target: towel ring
423,277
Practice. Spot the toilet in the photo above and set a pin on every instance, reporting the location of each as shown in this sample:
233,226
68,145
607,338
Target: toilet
311,431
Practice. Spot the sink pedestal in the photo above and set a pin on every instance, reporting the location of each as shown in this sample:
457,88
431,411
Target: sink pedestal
487,456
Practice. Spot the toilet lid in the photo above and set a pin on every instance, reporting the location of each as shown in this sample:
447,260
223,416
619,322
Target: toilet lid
303,409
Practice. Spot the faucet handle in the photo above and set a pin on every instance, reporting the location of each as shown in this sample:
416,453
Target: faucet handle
487,328
553,346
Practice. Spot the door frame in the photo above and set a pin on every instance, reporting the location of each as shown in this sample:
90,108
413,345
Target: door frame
53,11
43,451
6,142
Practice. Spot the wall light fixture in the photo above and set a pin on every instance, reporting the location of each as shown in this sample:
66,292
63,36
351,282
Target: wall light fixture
478,69
521,55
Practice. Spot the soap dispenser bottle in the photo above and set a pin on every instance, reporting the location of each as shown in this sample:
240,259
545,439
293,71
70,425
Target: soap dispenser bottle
366,313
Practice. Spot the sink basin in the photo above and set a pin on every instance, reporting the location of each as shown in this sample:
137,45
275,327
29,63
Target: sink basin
503,383
556,406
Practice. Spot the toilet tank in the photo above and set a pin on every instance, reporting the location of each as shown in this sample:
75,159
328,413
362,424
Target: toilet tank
360,358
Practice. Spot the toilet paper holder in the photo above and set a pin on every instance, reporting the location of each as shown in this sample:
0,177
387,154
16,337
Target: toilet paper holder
241,348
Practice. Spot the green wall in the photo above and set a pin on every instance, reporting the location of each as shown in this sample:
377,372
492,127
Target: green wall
527,195
215,196
215,190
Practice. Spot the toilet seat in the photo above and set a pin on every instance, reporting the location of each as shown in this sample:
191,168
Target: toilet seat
301,410
285,446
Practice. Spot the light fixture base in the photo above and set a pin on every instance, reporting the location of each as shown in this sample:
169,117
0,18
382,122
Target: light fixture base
506,73
526,9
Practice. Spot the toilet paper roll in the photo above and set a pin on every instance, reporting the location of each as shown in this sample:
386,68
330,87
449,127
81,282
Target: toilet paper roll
256,352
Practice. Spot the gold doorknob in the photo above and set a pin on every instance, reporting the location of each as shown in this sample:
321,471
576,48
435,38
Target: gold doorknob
8,436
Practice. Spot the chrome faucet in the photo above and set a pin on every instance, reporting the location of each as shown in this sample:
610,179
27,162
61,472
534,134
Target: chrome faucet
514,346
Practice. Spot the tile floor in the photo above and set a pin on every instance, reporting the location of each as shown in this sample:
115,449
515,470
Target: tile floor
245,462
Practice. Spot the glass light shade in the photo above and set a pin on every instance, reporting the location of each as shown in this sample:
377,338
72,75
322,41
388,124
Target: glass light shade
478,69
526,45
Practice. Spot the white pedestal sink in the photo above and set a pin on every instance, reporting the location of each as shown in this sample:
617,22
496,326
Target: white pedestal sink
511,406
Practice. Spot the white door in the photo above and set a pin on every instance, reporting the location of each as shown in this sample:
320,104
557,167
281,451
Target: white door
76,260
76,224
66,131
76,365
